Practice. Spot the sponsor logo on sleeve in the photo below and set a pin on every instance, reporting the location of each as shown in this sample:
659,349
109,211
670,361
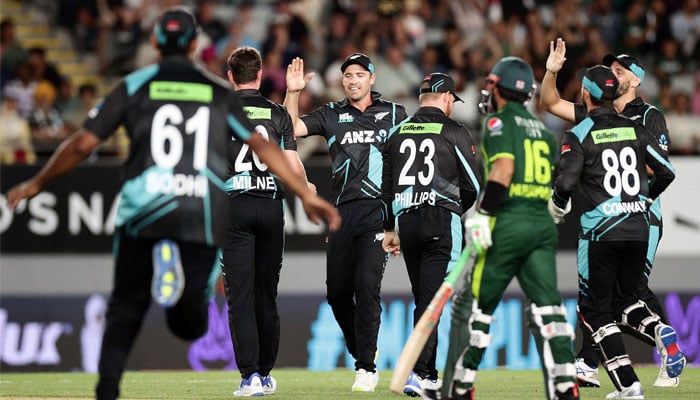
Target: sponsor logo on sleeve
494,124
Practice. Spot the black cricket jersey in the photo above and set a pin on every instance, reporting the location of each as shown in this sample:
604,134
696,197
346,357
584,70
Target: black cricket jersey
641,112
605,154
180,120
248,174
429,160
355,140
651,118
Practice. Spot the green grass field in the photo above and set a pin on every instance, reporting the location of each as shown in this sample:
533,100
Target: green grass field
302,384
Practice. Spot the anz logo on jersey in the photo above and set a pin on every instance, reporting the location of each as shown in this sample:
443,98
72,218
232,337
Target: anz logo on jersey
355,137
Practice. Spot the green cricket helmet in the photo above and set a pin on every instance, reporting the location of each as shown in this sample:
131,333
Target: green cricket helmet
510,73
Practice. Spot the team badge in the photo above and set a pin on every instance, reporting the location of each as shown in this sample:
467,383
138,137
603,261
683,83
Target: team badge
565,148
494,124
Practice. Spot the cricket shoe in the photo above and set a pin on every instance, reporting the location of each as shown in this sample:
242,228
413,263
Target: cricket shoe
663,380
269,384
632,392
415,384
250,387
587,376
672,358
168,277
365,381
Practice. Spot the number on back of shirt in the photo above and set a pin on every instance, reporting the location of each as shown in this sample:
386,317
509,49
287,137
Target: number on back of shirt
164,130
241,165
620,172
425,158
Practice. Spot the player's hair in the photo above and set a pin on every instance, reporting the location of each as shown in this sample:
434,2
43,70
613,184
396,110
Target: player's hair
428,96
512,95
245,63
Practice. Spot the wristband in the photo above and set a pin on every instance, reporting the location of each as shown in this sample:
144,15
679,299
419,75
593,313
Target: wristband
491,199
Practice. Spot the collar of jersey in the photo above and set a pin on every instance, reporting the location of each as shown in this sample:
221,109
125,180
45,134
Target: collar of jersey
429,110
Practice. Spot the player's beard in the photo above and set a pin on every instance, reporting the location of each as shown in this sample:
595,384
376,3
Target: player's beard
623,88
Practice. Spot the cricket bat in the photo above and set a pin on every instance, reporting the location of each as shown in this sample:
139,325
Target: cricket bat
422,330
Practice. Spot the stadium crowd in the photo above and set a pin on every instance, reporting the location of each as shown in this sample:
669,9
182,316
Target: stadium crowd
405,39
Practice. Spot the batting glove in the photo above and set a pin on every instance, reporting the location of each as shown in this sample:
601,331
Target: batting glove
558,213
479,232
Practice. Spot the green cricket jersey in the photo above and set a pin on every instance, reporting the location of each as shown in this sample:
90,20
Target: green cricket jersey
515,133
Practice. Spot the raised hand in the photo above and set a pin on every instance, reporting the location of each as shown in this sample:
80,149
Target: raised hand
296,80
557,56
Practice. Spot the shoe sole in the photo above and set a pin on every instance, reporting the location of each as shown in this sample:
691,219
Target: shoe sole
168,277
256,394
270,388
412,391
587,382
675,360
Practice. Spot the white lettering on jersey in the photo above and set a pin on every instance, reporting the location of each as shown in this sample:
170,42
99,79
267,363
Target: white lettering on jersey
354,137
246,182
414,199
345,117
177,184
533,127
624,207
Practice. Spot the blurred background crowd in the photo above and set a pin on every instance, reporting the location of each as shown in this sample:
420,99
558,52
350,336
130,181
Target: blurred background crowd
59,57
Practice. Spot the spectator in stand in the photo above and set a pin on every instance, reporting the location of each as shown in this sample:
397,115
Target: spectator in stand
404,75
658,24
22,88
65,100
208,21
211,61
279,40
85,101
15,138
273,83
11,52
685,28
119,41
81,20
606,20
685,126
695,96
43,70
668,63
337,38
46,124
